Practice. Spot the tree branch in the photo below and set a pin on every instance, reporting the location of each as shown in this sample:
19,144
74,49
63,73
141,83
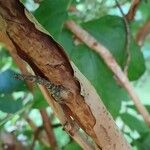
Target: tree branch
133,8
143,32
91,42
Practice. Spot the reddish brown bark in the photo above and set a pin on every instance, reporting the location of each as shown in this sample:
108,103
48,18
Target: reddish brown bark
131,13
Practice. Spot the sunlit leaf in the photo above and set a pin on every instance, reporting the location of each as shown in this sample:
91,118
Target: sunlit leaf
60,134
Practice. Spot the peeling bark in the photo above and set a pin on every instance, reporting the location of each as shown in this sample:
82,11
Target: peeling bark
49,61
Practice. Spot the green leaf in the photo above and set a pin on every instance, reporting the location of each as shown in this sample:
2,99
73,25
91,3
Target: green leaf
4,55
133,107
137,63
144,8
100,76
8,84
143,143
65,39
52,14
110,31
9,105
72,146
39,101
28,133
24,108
134,123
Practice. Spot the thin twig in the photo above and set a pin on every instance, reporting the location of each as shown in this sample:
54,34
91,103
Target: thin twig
121,3
128,39
92,43
42,136
48,129
30,122
72,8
131,13
143,32
35,137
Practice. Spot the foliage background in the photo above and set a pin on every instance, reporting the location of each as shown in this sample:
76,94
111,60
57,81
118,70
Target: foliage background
102,19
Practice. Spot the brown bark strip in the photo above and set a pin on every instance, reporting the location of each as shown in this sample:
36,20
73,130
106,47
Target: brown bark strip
12,51
131,13
48,129
143,32
91,42
81,139
49,61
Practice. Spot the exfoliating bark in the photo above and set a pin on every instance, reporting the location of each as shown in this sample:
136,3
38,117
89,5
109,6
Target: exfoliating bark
46,58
